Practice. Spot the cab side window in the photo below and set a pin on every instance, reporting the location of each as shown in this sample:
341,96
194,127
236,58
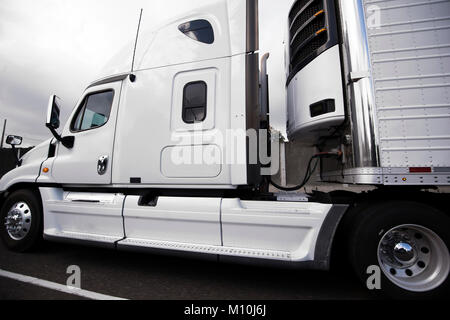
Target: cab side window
199,30
94,111
194,102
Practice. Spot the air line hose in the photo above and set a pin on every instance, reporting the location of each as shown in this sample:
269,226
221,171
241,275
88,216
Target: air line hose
309,172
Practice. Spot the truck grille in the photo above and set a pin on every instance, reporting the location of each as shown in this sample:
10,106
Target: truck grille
312,30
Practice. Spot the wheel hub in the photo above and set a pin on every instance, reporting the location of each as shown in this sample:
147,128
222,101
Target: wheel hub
413,257
14,220
18,221
404,252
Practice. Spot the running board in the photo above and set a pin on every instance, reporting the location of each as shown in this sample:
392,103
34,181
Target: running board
130,243
82,238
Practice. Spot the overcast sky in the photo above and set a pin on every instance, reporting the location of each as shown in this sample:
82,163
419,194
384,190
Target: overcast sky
60,46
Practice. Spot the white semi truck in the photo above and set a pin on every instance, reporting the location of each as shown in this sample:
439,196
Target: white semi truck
145,161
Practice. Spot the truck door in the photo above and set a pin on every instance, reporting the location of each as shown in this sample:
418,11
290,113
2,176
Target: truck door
93,124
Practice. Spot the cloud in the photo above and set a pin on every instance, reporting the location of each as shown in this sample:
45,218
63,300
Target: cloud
59,46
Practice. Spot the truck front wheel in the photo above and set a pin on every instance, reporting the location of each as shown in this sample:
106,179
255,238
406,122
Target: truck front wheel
21,221
408,242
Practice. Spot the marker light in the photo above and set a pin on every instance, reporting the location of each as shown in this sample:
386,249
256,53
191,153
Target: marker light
45,170
420,169
321,30
320,12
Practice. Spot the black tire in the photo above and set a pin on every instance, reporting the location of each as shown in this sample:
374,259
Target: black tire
34,235
374,222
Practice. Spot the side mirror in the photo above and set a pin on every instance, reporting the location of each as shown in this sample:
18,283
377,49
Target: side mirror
53,111
14,140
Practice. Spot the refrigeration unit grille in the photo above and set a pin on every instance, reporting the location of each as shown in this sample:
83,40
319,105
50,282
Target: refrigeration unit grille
312,30
302,17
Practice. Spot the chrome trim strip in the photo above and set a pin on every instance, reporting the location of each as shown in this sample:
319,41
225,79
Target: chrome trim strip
389,176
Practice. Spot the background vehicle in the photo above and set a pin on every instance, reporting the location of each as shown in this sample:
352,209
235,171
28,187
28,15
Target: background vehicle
373,101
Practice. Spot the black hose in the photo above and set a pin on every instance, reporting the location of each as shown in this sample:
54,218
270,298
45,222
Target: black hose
308,173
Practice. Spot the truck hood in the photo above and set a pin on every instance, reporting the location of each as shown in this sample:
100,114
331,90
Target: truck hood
29,169
38,153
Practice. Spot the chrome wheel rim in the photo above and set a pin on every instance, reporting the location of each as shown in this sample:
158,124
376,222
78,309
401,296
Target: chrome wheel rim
414,258
18,221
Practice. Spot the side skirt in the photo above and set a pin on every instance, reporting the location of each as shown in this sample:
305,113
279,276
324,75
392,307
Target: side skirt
255,257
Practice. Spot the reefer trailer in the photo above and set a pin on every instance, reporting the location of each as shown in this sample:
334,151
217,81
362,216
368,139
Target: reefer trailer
165,155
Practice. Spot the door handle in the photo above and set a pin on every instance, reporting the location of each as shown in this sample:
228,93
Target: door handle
102,165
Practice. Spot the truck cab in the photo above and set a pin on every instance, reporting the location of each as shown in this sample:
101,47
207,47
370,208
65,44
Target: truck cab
169,154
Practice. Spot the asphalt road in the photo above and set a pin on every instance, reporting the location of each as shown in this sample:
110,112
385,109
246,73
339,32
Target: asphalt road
146,276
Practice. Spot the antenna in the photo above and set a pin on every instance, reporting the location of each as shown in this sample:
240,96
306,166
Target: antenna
132,76
3,134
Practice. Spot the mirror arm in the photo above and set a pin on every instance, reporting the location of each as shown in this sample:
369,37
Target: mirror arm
53,131
66,141
18,162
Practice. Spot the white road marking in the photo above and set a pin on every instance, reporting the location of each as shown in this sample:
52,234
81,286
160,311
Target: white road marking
57,286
